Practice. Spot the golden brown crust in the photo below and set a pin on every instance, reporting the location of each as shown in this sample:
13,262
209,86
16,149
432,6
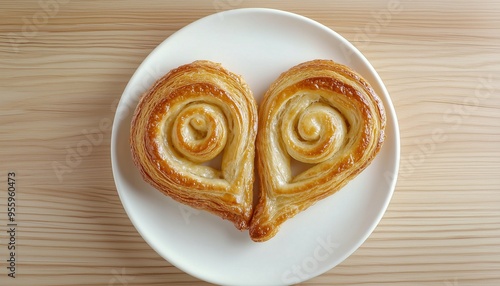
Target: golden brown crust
318,112
190,116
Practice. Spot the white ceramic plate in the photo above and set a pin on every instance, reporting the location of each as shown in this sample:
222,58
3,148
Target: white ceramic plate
259,44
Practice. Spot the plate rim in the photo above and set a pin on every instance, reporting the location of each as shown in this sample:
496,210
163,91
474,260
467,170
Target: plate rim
389,107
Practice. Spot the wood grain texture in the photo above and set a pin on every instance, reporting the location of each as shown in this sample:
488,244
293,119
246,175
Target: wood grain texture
60,79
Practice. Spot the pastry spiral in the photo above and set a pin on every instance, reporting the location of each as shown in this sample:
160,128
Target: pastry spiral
328,118
192,115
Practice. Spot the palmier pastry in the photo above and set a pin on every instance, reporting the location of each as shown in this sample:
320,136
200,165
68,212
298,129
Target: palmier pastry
199,113
320,115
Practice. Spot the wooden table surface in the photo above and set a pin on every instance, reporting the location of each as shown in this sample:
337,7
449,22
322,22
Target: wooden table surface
64,64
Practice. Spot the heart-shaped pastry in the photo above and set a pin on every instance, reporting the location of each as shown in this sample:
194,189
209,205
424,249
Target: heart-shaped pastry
320,115
193,115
